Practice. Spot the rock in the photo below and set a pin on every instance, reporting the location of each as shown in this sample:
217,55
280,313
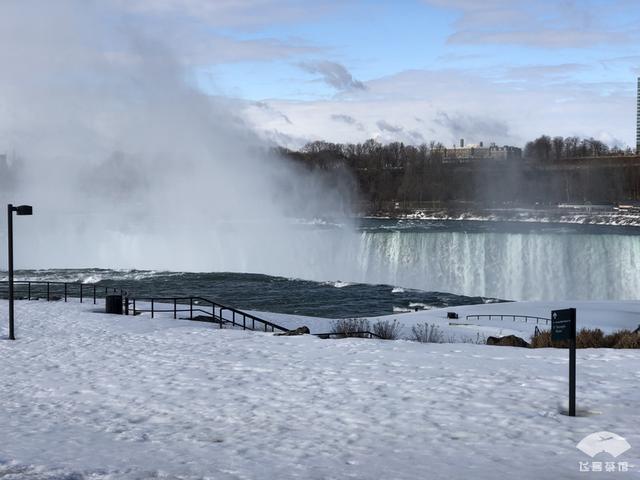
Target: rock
508,341
298,331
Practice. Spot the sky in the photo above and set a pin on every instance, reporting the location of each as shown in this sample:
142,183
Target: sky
416,71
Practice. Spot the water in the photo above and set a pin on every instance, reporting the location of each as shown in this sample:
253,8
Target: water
515,260
334,299
358,273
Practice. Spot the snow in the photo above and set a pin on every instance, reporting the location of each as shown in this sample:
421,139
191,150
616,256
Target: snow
606,315
96,396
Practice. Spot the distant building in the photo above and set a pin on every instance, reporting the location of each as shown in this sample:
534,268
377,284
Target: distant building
470,153
638,119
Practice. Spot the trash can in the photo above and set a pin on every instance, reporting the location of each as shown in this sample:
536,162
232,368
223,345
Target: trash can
113,304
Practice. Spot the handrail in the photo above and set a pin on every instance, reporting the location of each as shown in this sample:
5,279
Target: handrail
514,317
266,324
94,292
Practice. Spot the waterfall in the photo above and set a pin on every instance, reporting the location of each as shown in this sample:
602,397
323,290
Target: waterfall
529,266
538,265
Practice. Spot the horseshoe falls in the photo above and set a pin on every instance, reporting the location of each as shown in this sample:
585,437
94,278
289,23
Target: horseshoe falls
507,260
516,266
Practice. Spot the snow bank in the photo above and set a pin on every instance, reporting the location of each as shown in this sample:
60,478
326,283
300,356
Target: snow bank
89,395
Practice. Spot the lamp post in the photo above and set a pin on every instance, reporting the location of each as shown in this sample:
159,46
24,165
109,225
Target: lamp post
21,210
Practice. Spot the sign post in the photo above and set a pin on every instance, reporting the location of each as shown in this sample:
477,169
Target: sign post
563,327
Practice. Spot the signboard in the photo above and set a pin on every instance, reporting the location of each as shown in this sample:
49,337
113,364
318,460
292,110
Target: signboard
563,324
563,327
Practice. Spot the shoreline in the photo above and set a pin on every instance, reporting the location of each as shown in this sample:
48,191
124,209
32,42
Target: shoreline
563,216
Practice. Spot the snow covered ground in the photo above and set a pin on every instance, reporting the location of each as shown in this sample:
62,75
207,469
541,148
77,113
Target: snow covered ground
607,315
95,396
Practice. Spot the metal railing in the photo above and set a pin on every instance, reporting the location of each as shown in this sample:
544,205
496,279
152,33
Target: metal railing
522,318
212,311
55,290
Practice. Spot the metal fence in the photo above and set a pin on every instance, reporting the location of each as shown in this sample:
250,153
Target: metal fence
203,308
53,291
521,318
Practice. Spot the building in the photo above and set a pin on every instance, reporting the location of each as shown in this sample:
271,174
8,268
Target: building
470,153
638,119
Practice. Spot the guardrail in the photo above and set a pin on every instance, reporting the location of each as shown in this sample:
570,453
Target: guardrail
55,290
525,318
235,317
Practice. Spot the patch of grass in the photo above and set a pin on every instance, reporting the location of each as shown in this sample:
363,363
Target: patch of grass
542,340
590,338
628,340
480,339
425,333
387,330
350,327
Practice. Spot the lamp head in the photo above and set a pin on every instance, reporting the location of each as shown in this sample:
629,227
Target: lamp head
24,210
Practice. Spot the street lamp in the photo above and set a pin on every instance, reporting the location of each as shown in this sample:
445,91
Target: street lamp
21,210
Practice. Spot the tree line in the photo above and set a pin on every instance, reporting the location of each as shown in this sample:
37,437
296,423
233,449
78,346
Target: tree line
547,149
553,170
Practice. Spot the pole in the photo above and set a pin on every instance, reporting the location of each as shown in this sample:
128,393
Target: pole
10,242
572,365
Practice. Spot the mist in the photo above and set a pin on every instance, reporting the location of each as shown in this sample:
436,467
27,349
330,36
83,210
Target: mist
128,165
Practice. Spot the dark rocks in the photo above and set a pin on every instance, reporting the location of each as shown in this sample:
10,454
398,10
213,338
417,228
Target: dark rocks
298,331
508,341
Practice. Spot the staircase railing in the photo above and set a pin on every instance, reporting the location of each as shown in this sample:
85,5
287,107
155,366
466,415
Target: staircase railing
213,310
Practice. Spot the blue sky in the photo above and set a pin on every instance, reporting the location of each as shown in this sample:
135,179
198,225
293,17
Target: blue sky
504,58
376,39
372,38
415,71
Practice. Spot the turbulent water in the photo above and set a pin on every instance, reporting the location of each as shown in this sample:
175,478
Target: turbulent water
247,291
387,264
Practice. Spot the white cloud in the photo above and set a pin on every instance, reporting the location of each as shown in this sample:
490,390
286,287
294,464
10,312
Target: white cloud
333,74
445,105
246,14
544,23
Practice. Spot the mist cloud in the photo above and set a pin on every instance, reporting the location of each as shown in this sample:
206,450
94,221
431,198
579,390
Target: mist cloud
128,166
